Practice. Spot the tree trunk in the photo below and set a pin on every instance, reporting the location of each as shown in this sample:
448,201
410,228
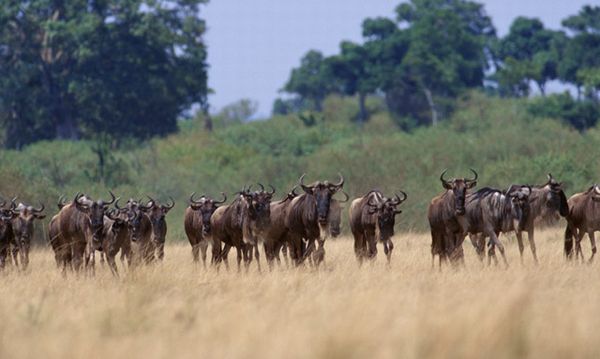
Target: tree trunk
542,87
434,114
208,123
362,115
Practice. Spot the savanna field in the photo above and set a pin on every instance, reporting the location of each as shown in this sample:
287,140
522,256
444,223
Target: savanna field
408,310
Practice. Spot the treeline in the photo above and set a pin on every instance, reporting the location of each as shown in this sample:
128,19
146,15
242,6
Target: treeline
112,69
432,51
500,138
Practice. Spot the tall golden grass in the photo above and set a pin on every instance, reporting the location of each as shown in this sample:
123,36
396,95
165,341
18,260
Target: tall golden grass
407,310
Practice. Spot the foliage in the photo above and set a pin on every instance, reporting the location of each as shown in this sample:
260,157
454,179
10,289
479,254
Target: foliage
121,67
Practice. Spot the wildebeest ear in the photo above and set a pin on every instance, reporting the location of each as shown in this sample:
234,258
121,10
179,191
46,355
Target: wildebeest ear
471,184
39,216
447,185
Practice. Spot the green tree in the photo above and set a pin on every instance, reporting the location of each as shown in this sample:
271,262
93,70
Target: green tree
78,68
529,52
311,80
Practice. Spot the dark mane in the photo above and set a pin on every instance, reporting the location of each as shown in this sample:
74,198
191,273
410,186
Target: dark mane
484,192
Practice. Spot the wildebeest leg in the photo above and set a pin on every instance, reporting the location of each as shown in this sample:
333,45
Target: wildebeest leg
578,238
196,252
531,240
224,254
309,250
593,243
491,252
284,252
388,247
478,241
520,243
239,258
112,264
160,251
203,246
15,255
257,256
371,245
77,252
319,255
494,239
359,247
102,259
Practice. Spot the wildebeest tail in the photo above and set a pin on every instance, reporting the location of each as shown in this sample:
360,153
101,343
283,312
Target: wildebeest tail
568,241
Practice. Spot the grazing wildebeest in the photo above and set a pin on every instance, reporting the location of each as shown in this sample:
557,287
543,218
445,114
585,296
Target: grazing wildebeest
372,219
77,230
116,238
308,219
196,223
6,233
544,203
446,218
23,232
157,213
584,217
139,228
241,223
490,211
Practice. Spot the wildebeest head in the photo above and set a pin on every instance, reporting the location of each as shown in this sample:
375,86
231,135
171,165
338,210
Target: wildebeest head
322,191
595,193
6,217
94,210
335,215
119,223
206,206
157,212
556,200
386,212
134,213
459,187
259,205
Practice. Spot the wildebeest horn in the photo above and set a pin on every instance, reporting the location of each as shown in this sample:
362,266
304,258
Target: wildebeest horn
442,176
596,189
272,190
35,210
117,204
13,203
371,204
399,200
172,203
112,200
262,188
301,182
529,189
224,199
192,200
111,214
346,195
61,201
77,197
476,176
340,184
151,200
550,178
293,191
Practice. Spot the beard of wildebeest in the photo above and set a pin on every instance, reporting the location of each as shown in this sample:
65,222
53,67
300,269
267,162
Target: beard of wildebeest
157,214
23,230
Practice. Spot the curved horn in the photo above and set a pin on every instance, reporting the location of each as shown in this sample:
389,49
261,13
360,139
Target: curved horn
399,200
35,210
550,178
224,199
272,192
112,200
78,197
172,203
293,191
340,183
151,200
346,195
528,188
192,200
371,204
61,201
476,176
442,176
262,188
13,203
111,214
301,183
596,189
117,204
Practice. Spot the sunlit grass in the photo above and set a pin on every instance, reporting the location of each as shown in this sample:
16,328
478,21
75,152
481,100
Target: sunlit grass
177,309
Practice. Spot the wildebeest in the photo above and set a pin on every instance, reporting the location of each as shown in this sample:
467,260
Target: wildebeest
23,232
584,217
139,230
241,223
116,238
197,227
490,211
544,203
447,220
6,233
77,230
372,219
308,219
157,213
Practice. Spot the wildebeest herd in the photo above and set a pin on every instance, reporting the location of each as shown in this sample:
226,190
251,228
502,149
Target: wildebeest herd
297,225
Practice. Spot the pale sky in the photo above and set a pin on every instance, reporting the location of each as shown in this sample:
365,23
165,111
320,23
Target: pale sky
254,44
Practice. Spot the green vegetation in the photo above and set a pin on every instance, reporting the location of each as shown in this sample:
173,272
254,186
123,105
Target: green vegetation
498,137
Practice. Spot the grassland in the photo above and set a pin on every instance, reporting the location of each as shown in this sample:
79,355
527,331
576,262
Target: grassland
408,310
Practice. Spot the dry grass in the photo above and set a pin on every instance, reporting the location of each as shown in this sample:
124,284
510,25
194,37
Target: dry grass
409,310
